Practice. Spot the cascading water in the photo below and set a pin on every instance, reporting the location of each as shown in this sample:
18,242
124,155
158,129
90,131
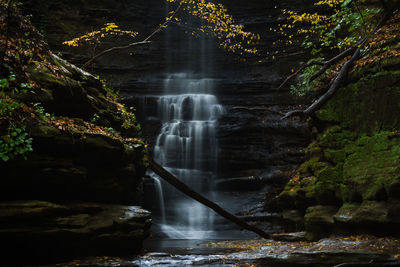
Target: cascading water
187,147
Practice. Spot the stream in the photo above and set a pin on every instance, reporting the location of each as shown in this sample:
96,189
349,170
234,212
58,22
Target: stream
333,251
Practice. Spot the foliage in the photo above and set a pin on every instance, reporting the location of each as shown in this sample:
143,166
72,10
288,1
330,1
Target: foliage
339,25
25,63
111,93
94,37
9,84
95,118
40,111
212,19
303,87
21,47
215,20
16,141
129,118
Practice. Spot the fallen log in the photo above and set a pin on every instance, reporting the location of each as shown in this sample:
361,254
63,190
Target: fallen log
171,179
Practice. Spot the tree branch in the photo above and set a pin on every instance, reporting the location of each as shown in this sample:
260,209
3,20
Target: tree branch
331,62
144,41
312,63
113,49
342,73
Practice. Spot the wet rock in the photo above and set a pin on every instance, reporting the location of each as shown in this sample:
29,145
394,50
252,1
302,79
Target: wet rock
44,231
64,167
300,194
369,216
240,184
319,221
297,236
294,217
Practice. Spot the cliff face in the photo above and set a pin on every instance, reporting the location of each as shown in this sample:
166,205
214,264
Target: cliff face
251,141
73,195
350,182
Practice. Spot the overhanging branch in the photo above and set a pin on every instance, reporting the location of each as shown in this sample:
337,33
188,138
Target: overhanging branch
342,73
143,42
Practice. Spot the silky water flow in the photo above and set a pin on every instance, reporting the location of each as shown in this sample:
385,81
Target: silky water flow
187,147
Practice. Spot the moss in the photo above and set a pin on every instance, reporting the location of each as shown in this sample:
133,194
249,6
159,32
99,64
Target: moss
335,155
373,167
345,213
327,188
309,167
44,77
336,137
351,169
298,194
44,130
366,105
355,156
314,150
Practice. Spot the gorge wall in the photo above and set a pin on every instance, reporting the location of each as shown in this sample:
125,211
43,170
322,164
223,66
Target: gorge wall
75,193
350,180
350,174
252,142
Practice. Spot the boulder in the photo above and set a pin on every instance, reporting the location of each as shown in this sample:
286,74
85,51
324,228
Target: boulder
319,221
378,217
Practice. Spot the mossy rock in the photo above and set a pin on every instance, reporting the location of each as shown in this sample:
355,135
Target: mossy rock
377,217
366,105
373,169
298,195
327,187
346,212
319,221
335,155
312,166
335,137
372,212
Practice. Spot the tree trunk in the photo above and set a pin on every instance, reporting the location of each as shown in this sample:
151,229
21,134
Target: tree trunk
171,179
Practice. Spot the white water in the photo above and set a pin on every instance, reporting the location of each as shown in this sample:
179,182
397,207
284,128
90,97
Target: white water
160,194
187,147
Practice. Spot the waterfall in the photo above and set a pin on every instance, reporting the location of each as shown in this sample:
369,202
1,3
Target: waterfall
160,194
187,147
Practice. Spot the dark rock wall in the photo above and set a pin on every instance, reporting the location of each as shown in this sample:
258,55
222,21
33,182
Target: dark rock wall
73,195
251,142
66,199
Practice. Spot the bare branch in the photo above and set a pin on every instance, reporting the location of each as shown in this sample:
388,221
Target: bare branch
144,41
312,63
113,49
331,62
294,113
